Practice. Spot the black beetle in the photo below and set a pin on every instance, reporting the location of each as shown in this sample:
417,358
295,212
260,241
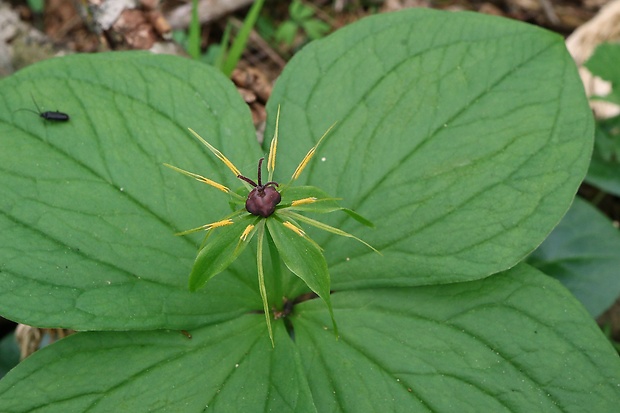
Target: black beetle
49,115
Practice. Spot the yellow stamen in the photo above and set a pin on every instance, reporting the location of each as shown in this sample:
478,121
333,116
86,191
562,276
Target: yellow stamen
303,163
271,162
303,201
221,223
200,178
217,153
295,229
215,185
246,232
207,227
309,155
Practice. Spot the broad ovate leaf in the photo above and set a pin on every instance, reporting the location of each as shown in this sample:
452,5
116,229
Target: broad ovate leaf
89,211
582,253
514,342
163,370
461,136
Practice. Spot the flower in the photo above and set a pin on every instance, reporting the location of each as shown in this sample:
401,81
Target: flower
263,211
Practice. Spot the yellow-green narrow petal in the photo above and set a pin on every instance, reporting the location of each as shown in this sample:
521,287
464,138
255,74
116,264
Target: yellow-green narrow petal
309,155
304,201
273,148
324,227
200,178
261,278
207,227
217,153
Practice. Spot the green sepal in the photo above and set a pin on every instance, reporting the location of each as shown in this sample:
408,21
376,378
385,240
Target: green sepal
235,202
323,205
260,229
293,216
358,217
303,257
221,250
232,216
242,191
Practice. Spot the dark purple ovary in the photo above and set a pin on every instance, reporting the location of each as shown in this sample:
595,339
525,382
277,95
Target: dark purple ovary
262,201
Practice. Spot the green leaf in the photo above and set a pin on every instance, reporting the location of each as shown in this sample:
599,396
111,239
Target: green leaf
89,212
583,257
462,137
294,216
163,370
514,342
607,139
286,32
291,193
9,353
221,249
604,63
604,171
261,278
300,11
323,205
315,29
37,6
303,257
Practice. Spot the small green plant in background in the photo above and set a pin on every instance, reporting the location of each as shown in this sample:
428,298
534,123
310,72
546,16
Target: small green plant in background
604,63
462,137
223,56
193,33
604,170
36,5
301,20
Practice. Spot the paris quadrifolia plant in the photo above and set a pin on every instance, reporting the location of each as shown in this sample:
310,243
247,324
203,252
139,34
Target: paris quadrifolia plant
270,211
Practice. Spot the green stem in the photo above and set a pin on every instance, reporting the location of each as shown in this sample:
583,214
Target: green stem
193,41
261,279
238,45
221,55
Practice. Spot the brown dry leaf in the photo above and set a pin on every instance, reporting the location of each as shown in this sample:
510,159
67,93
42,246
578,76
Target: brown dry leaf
253,79
29,338
135,30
